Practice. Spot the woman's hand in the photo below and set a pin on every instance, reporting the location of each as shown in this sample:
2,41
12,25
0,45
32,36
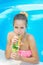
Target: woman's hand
15,56
15,39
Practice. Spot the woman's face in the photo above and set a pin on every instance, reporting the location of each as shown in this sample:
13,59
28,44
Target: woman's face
19,26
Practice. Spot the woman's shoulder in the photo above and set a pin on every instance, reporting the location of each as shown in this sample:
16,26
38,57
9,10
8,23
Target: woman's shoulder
10,34
31,39
29,36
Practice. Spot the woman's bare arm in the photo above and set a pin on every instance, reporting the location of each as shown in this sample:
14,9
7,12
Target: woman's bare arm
34,58
8,48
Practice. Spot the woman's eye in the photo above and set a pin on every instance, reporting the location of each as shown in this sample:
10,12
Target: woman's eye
16,27
22,27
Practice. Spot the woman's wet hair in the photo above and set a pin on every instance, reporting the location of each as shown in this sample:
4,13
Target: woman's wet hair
20,17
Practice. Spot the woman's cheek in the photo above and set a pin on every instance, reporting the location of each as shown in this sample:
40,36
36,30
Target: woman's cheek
22,32
16,31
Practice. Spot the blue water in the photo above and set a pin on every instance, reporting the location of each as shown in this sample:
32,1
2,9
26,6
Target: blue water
8,9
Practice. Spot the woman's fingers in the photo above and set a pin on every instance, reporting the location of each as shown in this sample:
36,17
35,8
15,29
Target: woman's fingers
15,39
13,55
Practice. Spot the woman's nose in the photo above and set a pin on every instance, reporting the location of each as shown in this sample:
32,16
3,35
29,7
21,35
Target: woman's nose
19,32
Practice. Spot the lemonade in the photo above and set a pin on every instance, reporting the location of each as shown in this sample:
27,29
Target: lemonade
15,47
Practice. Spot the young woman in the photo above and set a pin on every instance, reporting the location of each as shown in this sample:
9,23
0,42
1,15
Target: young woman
27,49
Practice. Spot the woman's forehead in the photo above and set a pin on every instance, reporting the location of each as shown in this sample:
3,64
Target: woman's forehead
19,22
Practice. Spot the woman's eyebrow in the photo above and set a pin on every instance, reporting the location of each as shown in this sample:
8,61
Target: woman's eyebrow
16,26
